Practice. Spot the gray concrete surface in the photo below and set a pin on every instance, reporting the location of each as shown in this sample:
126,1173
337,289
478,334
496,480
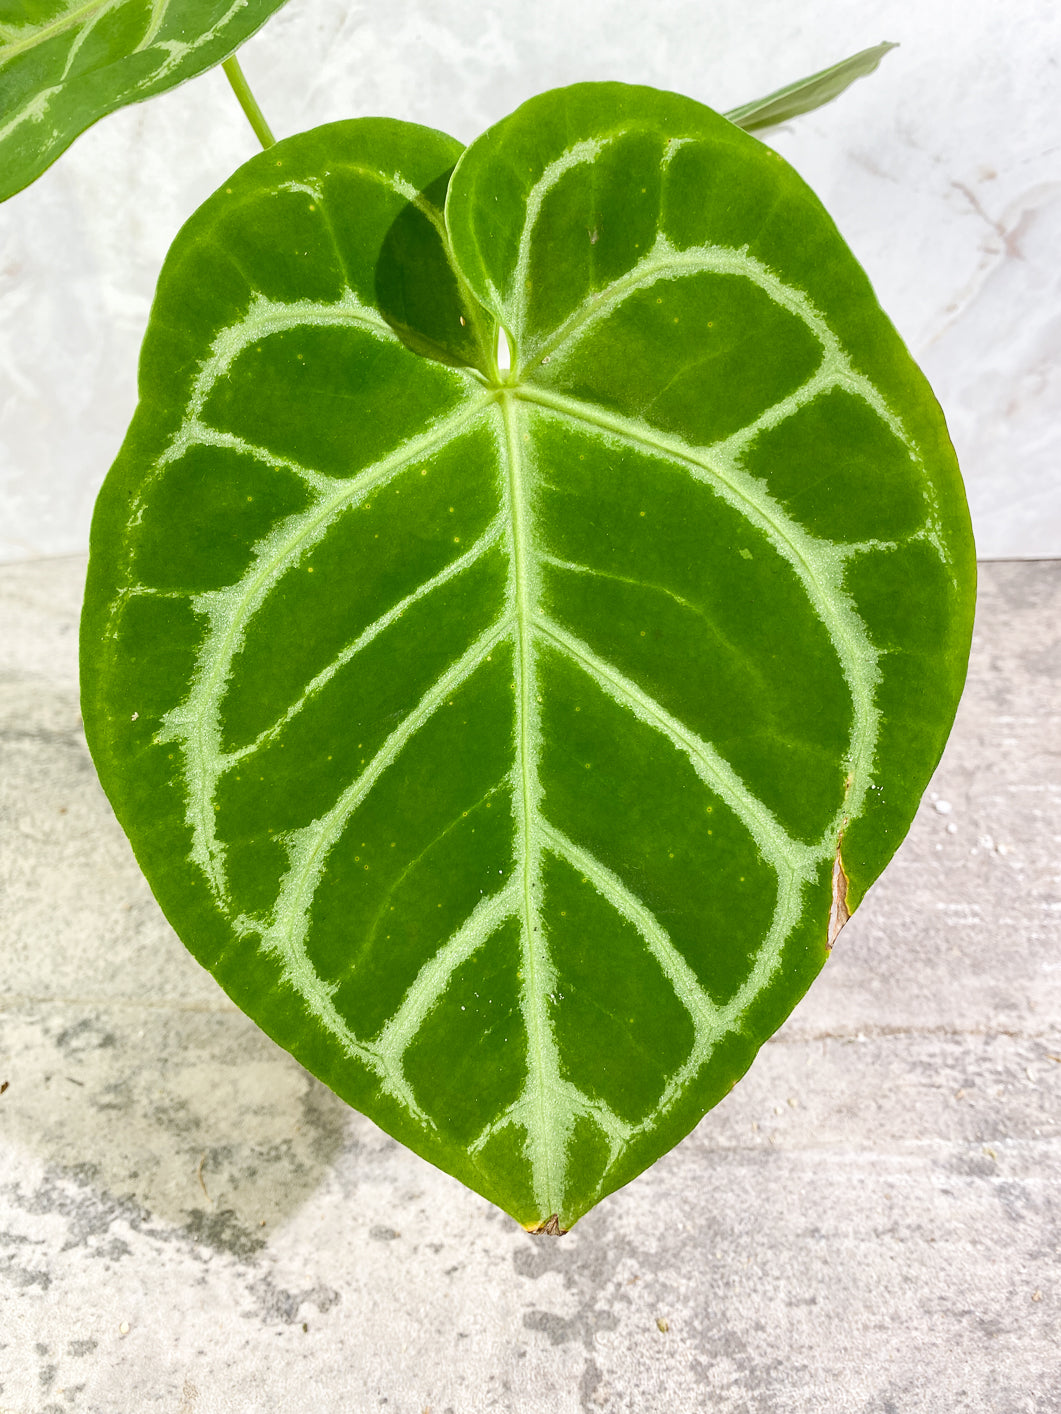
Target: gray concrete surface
868,1225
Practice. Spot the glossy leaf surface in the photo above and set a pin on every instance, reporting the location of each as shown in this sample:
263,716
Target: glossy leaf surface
66,63
511,746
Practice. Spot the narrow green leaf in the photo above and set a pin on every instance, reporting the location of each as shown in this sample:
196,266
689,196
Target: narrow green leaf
512,745
66,63
805,95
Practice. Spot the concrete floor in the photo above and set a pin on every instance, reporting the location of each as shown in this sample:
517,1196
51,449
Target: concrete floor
869,1224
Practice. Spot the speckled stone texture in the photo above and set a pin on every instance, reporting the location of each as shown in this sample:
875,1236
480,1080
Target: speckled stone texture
869,1224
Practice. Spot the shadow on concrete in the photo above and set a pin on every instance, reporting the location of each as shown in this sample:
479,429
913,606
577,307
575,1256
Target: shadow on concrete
148,1097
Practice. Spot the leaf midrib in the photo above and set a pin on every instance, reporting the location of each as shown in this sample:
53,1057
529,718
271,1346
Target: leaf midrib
94,9
535,965
69,20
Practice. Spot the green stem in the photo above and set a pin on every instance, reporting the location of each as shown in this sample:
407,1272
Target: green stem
247,101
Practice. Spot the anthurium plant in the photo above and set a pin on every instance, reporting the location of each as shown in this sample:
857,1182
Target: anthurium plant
529,603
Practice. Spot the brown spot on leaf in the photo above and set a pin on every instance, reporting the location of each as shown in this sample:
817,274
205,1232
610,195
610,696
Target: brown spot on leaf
839,913
549,1228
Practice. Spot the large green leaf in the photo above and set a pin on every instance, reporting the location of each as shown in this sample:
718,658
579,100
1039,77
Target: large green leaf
512,745
66,63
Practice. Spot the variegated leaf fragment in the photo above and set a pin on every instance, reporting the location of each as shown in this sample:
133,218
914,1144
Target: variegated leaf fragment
512,744
66,63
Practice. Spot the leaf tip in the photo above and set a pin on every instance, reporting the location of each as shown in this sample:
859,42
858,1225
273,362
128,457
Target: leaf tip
549,1228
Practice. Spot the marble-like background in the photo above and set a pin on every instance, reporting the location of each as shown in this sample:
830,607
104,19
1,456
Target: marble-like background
943,171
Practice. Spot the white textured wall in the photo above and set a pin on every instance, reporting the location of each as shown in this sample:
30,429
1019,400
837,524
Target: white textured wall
943,171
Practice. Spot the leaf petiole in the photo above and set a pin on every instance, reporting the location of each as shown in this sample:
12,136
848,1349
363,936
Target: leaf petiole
247,101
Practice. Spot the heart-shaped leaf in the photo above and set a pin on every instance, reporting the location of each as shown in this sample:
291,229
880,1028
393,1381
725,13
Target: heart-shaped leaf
512,744
66,63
